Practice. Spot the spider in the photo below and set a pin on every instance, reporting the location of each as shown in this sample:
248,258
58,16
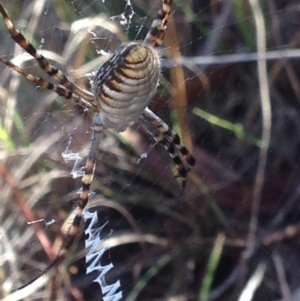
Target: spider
123,88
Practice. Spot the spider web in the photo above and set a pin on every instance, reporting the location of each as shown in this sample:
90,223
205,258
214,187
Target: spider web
209,243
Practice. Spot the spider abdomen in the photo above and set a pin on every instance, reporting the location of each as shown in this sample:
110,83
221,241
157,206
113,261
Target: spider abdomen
126,83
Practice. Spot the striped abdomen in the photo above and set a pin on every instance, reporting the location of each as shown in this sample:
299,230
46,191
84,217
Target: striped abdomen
126,83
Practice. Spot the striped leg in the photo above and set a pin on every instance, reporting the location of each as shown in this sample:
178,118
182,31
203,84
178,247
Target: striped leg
58,89
70,232
87,179
158,28
52,71
160,131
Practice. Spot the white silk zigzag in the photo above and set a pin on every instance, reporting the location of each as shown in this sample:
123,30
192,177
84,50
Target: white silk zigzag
111,292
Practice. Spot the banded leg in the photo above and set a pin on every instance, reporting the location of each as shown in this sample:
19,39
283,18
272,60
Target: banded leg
58,89
86,181
160,131
45,65
70,232
158,28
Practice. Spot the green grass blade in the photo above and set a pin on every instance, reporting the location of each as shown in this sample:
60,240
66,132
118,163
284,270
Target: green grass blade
213,263
236,128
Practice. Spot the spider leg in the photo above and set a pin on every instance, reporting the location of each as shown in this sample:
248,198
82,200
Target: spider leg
44,64
70,233
158,28
58,89
160,131
86,181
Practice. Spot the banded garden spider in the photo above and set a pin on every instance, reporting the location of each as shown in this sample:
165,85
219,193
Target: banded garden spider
123,88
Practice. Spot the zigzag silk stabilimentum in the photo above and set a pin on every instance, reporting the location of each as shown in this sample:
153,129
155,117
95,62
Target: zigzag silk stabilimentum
111,292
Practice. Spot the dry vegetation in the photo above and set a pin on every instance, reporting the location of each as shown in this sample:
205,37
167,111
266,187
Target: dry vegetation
238,220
